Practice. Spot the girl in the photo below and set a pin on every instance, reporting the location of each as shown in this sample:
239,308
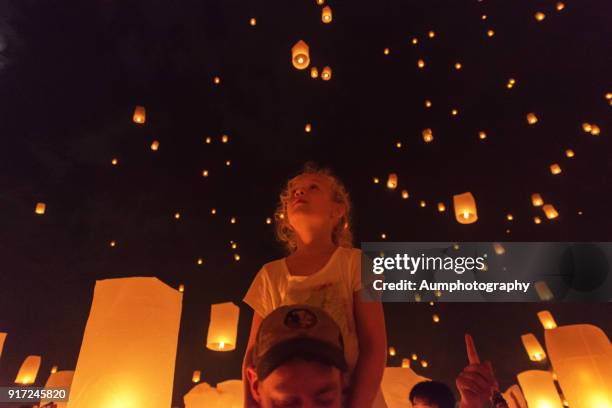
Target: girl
323,269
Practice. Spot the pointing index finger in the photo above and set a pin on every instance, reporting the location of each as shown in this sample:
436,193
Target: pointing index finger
471,350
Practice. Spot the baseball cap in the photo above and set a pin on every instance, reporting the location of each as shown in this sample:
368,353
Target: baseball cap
297,331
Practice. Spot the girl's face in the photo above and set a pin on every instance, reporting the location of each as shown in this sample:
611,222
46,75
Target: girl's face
310,203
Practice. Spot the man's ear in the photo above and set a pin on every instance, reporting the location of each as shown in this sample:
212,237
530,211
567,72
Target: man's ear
253,384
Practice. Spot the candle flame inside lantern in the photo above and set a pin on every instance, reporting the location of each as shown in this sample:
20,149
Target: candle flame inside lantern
326,14
392,181
40,208
532,119
139,115
326,74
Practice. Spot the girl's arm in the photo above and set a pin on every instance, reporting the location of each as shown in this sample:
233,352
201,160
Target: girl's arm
372,335
249,402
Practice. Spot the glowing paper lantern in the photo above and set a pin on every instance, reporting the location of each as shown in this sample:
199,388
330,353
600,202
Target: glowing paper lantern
510,217
2,339
533,347
196,376
539,389
540,16
499,248
314,73
560,6
543,291
482,135
424,363
58,379
586,127
392,351
569,153
537,220
405,194
155,145
216,80
308,128
441,207
54,369
227,394
532,119
405,362
223,327
139,115
465,208
514,397
422,203
415,41
114,161
536,200
181,288
421,63
386,51
326,14
40,208
581,357
435,318
326,73
300,55
490,33
550,211
396,385
253,21
428,103
454,112
129,346
555,169
431,34
392,181
427,135
595,130
458,66
547,319
28,371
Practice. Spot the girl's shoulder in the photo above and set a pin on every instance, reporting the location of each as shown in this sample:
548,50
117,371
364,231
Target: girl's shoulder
274,268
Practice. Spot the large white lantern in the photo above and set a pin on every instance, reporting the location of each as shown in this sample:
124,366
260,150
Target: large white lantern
28,371
129,346
539,389
581,357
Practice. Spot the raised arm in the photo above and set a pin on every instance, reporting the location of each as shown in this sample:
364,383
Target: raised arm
372,334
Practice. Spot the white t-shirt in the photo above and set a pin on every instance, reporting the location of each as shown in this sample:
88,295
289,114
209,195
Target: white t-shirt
331,288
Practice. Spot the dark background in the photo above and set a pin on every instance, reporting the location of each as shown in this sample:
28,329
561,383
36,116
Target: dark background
72,72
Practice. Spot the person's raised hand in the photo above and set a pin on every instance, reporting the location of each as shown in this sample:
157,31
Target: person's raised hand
476,382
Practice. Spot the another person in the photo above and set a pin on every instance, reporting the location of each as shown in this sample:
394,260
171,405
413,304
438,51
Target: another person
297,360
431,394
324,270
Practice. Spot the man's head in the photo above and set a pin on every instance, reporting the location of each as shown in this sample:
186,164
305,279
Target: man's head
298,360
432,394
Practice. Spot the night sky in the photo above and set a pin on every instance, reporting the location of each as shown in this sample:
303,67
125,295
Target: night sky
72,74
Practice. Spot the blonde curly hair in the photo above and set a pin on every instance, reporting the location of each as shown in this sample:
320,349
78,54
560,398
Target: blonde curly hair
342,234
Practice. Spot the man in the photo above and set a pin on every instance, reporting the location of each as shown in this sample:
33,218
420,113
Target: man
298,360
431,394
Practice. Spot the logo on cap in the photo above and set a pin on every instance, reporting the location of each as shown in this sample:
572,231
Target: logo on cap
300,319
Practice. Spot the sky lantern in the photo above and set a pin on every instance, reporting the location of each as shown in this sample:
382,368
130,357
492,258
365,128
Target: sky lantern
509,217
482,135
307,128
2,339
54,369
441,207
427,135
539,16
405,194
223,327
454,112
300,55
595,130
499,248
392,351
569,153
414,41
253,22
560,6
465,208
224,138
195,377
386,51
314,73
113,244
431,34
139,115
128,351
536,200
543,291
216,80
58,379
155,145
532,119
204,173
326,14
483,17
392,181
40,208
200,261
326,73
539,389
405,362
28,371
586,127
213,211
550,211
375,180
114,161
424,363
458,66
510,83
435,318
320,2
181,288
428,103
422,204
537,220
177,215
532,347
581,357
547,320
414,356
268,220
555,169
421,63
490,33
